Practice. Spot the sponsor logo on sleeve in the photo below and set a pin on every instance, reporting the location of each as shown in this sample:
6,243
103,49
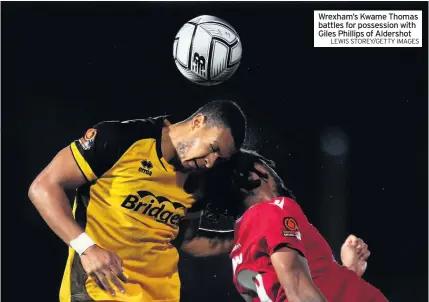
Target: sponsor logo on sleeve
291,228
87,141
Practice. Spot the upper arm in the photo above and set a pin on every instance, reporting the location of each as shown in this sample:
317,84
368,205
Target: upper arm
62,171
279,227
289,263
99,149
287,252
294,276
83,160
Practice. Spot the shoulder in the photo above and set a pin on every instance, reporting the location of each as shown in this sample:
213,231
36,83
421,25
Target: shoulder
278,206
120,135
106,142
131,129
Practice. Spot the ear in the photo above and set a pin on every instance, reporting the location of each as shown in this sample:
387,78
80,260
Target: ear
198,121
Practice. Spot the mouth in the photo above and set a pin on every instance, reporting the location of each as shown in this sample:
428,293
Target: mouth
192,164
196,164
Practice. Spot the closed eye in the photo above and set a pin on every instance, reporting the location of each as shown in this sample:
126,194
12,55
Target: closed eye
214,149
263,176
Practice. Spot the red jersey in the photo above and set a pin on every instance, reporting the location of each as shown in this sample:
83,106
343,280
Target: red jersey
268,226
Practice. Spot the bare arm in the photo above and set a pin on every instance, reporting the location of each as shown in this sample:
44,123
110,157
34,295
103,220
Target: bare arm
204,246
294,275
200,246
47,192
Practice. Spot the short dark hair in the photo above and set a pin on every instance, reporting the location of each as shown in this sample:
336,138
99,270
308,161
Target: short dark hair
220,185
244,163
225,114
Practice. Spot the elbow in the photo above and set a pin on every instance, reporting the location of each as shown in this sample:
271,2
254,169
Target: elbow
32,191
35,188
39,188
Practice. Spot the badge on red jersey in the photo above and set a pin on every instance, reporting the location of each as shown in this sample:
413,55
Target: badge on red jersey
87,141
291,228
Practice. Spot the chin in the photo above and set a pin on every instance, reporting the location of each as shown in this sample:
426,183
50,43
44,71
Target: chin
178,166
182,169
186,168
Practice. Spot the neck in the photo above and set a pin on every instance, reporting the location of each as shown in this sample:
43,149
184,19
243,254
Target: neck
258,198
171,135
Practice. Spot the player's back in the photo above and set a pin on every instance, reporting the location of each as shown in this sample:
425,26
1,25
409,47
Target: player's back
280,222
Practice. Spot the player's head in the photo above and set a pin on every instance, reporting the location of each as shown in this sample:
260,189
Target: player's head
255,177
213,133
247,179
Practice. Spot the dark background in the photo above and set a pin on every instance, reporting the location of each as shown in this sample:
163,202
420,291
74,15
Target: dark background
69,65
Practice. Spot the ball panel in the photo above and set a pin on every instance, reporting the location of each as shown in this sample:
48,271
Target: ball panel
208,83
189,74
226,74
236,53
184,44
196,20
200,52
219,58
206,18
207,50
175,48
221,31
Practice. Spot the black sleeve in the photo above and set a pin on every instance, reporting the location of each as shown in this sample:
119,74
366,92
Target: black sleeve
100,148
104,144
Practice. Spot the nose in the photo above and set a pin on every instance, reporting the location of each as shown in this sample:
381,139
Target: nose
210,160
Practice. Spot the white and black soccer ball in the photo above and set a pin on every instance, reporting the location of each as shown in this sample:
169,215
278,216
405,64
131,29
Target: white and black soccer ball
207,50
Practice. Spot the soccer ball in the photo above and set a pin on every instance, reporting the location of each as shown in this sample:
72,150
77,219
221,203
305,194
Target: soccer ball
207,50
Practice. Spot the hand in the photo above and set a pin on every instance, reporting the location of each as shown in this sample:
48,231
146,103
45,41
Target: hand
104,266
354,254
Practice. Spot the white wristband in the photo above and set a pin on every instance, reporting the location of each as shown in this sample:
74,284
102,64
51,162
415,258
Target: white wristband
81,243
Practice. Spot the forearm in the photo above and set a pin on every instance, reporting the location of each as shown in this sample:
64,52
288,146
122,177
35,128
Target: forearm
53,205
204,247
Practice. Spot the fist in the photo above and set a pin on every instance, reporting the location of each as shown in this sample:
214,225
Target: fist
354,254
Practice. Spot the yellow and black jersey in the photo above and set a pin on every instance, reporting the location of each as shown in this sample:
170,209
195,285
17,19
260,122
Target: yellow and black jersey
132,205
